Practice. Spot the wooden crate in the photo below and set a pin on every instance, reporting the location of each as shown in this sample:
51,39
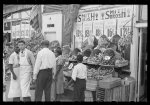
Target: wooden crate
100,94
91,85
109,83
88,96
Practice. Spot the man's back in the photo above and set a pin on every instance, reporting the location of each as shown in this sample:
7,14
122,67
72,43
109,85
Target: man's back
47,58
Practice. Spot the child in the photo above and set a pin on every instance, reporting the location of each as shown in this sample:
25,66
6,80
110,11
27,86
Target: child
79,76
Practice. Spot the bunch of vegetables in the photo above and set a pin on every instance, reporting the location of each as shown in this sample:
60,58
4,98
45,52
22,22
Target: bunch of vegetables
108,57
92,73
105,70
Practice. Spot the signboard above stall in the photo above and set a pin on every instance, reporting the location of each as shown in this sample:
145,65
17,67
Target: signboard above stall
109,22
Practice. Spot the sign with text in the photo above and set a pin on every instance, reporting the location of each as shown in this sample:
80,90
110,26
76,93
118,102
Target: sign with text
7,26
21,29
109,22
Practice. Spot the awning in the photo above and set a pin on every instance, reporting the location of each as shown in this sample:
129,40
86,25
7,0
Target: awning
36,18
7,9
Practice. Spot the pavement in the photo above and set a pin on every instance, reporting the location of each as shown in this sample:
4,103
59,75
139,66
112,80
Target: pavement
66,97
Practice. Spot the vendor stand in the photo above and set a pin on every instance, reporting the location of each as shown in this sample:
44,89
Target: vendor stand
102,84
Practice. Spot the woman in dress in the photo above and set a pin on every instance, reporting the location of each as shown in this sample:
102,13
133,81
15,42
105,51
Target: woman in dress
59,73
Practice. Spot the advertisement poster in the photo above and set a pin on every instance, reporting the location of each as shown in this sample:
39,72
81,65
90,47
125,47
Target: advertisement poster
98,28
25,29
110,28
115,20
78,34
87,29
21,29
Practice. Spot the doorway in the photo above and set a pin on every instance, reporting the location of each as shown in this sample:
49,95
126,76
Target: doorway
50,36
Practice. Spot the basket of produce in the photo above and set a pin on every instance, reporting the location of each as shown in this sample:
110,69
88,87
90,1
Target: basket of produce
109,83
93,60
108,57
105,70
92,74
121,63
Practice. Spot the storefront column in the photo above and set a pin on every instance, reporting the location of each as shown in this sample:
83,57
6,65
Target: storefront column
134,58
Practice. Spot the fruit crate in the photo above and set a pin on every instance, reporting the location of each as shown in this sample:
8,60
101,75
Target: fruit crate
91,84
109,83
88,96
100,94
109,95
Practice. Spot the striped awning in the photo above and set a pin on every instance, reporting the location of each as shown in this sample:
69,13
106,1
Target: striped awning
36,18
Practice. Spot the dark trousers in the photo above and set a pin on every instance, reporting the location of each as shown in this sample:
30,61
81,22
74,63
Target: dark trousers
79,88
43,83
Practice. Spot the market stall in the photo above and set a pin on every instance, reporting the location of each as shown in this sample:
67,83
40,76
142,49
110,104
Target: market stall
108,80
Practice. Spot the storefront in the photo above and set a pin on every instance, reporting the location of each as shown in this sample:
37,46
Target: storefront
119,20
17,23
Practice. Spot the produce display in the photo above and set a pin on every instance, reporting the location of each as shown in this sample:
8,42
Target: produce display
73,58
93,60
105,70
120,63
108,57
92,73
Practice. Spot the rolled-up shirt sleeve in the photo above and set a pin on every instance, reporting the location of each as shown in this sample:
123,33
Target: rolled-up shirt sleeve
37,65
74,74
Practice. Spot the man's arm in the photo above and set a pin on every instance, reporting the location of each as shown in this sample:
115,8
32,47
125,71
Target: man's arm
37,66
11,61
74,73
32,59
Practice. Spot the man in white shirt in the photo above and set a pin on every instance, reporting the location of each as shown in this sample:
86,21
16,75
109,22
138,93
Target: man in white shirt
79,75
44,71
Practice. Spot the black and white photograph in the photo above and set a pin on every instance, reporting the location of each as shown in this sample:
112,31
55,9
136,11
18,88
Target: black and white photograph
75,52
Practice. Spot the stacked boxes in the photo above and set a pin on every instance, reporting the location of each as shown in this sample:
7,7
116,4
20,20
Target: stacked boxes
114,91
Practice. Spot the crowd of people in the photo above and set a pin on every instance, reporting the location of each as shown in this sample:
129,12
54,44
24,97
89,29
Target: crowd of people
47,66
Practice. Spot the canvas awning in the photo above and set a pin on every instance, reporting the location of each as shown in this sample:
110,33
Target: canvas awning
36,17
7,9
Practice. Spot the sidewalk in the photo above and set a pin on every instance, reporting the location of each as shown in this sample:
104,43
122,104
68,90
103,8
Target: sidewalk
68,95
